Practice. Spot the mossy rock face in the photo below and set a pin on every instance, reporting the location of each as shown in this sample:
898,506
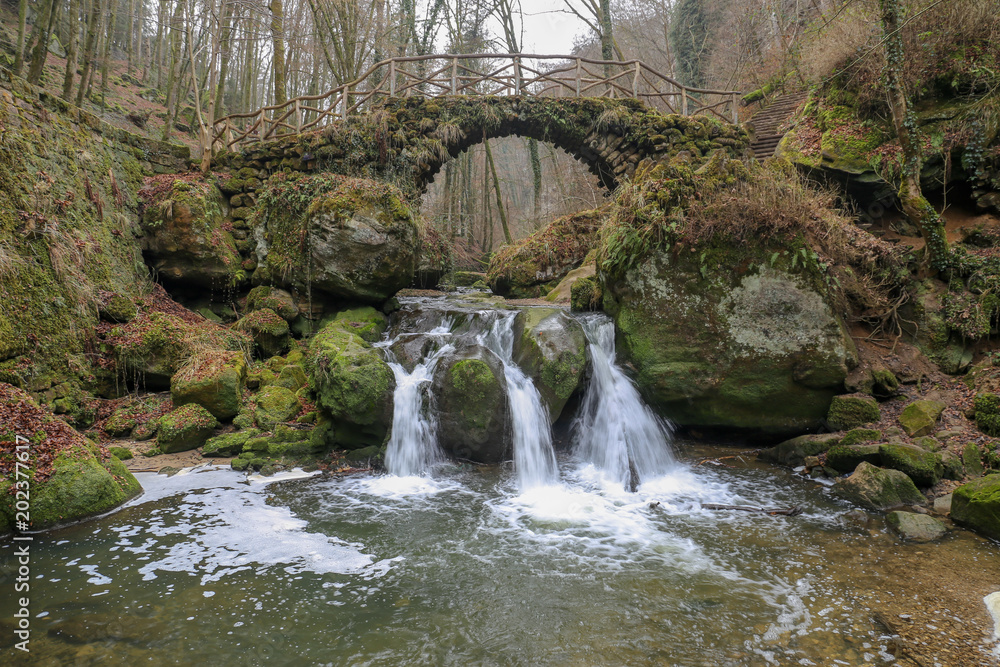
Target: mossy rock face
858,435
292,377
473,415
849,412
184,239
272,298
977,505
845,458
117,308
878,489
757,349
914,527
185,428
228,444
586,295
365,322
353,385
987,413
269,331
921,417
923,467
275,405
531,267
121,453
972,460
213,380
552,351
121,423
360,236
794,452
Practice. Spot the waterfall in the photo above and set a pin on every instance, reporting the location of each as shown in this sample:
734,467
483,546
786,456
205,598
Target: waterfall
615,430
534,458
412,448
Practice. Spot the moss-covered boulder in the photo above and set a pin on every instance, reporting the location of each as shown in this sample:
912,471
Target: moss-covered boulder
759,350
977,505
794,452
845,458
274,299
914,527
185,428
185,238
921,417
533,266
586,294
292,377
986,408
552,351
70,477
878,489
116,308
972,460
353,385
269,331
345,238
213,380
473,415
923,467
365,322
275,405
849,412
228,444
859,435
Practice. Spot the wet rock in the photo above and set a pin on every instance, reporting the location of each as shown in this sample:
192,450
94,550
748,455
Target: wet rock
859,435
942,504
214,380
185,428
552,352
849,412
274,299
269,331
923,467
914,527
977,505
473,414
845,458
794,452
878,489
920,417
228,444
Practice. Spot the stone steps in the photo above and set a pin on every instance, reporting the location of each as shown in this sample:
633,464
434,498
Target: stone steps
768,121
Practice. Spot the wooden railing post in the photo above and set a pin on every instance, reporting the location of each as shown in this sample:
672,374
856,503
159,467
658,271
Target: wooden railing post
684,101
263,126
736,115
517,75
635,81
579,75
454,76
392,78
298,116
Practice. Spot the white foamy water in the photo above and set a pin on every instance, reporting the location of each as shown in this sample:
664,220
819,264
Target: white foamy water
615,429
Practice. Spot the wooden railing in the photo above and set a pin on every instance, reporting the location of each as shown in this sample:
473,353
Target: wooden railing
476,74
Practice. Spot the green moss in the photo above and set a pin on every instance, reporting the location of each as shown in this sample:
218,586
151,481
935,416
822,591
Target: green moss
586,294
921,417
228,444
365,322
848,412
987,413
275,405
977,504
923,467
858,435
185,428
121,453
214,380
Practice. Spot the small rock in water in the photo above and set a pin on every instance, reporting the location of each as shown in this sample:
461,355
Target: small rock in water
942,504
915,527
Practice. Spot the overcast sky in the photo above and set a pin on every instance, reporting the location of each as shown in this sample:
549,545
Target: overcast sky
548,31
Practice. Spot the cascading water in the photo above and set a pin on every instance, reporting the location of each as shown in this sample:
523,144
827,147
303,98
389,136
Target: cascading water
534,458
413,448
615,430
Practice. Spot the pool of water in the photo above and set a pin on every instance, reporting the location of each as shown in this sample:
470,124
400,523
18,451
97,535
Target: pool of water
462,569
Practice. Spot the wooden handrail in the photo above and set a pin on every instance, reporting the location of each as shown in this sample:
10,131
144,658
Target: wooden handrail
571,76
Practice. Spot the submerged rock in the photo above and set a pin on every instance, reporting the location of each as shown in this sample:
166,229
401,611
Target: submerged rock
878,489
977,505
471,401
914,527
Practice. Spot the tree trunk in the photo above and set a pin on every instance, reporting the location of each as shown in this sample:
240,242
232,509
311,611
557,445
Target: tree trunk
22,25
43,31
278,42
173,84
89,49
106,56
71,48
607,37
496,190
225,49
915,206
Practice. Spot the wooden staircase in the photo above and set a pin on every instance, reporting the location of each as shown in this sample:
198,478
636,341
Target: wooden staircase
767,121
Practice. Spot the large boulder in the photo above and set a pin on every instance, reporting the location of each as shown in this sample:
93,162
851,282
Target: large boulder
269,331
849,412
552,351
845,458
345,238
877,489
977,505
214,380
794,452
914,527
470,392
353,385
77,480
187,427
184,236
275,405
754,348
923,467
921,417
